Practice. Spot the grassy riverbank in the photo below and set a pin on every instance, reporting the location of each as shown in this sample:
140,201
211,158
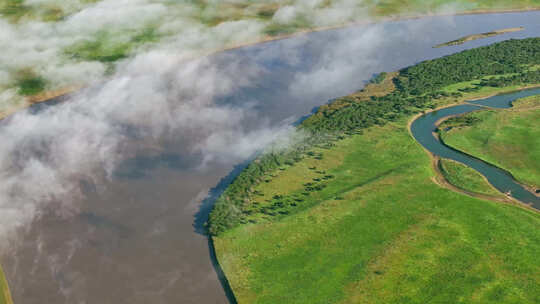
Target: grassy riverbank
5,296
466,178
383,232
508,138
358,219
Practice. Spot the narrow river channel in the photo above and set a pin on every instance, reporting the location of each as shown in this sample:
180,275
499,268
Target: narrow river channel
424,126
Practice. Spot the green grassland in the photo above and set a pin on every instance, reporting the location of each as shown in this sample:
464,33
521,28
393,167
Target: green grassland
5,297
466,178
357,217
509,138
382,232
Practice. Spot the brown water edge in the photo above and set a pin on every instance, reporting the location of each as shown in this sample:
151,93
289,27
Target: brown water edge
58,254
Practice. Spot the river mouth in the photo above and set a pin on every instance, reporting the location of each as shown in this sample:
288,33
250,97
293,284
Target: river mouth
137,238
424,127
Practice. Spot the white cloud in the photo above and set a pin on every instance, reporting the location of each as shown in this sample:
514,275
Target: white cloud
160,94
285,14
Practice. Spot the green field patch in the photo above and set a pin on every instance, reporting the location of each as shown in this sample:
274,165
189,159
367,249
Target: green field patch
5,296
108,47
19,10
13,9
380,230
527,103
30,83
327,253
101,49
466,178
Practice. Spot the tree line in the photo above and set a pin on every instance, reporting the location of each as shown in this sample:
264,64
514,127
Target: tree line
417,89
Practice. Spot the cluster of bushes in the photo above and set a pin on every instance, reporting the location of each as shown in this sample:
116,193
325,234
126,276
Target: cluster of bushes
502,58
281,205
379,78
29,83
416,89
524,77
459,121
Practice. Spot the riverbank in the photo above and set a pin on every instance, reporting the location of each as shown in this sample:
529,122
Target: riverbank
372,225
5,295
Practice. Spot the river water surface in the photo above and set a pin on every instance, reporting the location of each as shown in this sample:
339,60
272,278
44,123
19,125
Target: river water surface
423,127
138,240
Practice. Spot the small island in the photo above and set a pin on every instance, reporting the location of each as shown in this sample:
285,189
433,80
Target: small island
462,40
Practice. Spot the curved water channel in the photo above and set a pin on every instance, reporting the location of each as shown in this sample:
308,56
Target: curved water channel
424,126
137,238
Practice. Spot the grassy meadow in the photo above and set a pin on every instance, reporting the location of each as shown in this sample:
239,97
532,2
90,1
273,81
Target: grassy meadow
508,138
466,178
360,219
382,232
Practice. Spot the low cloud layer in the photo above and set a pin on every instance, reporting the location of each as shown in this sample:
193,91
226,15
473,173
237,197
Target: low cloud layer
155,98
41,46
158,95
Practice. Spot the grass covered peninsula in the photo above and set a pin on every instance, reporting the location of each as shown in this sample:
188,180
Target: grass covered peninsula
466,178
351,213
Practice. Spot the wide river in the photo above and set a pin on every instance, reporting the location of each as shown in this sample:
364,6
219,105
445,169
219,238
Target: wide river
138,239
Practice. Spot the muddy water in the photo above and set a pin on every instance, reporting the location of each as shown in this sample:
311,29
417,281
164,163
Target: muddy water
136,238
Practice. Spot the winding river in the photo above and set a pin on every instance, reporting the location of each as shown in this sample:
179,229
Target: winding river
137,237
424,127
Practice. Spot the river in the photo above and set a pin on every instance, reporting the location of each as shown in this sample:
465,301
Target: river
137,238
424,126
